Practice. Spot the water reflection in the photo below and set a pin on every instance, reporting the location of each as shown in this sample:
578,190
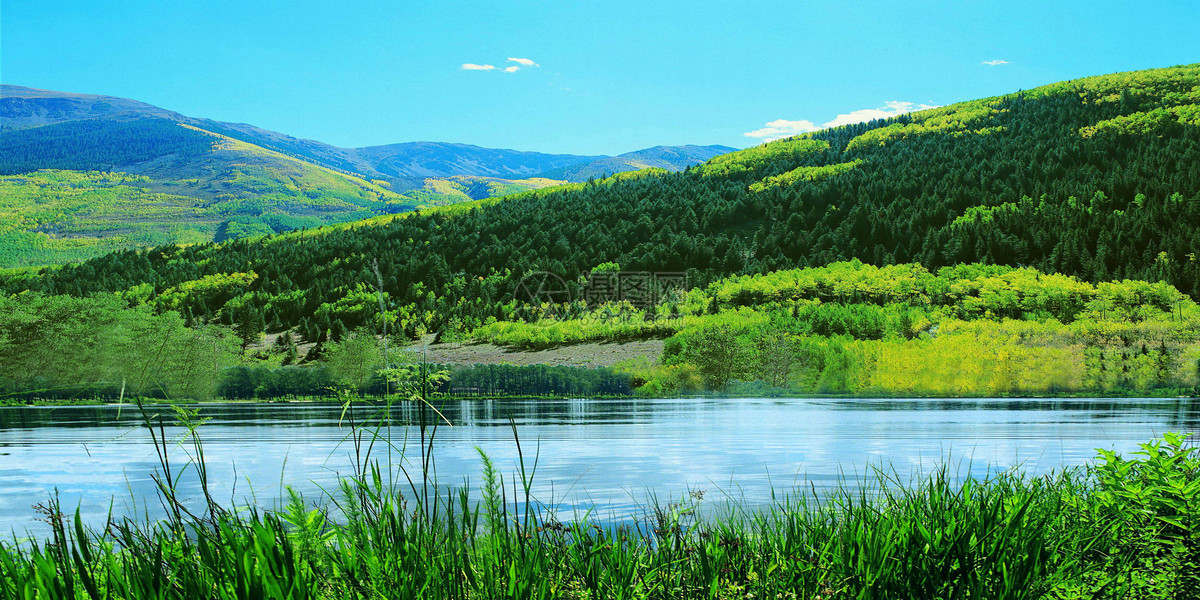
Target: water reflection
606,454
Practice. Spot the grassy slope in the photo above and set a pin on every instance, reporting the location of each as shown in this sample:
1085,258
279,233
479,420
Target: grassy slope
56,216
237,189
439,191
237,171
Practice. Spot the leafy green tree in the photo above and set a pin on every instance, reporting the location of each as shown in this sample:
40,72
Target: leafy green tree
718,354
354,360
777,356
63,346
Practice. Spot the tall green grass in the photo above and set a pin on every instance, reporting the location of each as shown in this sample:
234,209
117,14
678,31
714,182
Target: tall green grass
1124,527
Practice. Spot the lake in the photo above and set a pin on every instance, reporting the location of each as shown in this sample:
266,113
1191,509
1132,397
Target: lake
608,455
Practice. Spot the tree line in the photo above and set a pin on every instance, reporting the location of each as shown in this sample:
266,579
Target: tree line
97,144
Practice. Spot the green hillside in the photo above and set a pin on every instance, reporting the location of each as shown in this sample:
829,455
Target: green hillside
98,145
55,216
240,180
437,191
229,186
78,189
1092,178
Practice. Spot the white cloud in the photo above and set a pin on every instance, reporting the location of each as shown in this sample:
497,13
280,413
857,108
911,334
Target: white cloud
998,61
521,63
782,128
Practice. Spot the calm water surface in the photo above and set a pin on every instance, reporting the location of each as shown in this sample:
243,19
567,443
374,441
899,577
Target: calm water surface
605,454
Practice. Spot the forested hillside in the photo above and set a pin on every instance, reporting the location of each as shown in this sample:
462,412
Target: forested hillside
77,215
1095,178
96,145
900,330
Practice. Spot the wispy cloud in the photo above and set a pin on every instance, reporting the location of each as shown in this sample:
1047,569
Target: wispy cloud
521,63
781,128
992,63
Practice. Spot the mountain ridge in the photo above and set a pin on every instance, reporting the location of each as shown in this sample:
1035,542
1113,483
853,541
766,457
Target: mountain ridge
658,157
22,107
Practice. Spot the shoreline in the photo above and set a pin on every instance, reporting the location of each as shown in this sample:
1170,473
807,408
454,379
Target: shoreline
560,398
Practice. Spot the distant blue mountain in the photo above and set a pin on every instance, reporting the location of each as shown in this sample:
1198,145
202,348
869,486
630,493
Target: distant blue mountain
22,107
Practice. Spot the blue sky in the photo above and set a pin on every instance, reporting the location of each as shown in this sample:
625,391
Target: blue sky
607,77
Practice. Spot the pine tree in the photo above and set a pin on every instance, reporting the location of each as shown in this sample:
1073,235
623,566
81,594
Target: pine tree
248,325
